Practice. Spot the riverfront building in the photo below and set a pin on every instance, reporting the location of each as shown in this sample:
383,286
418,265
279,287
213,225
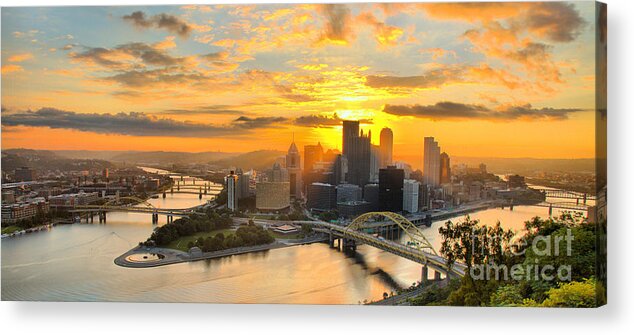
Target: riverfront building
348,192
272,196
321,197
231,184
391,189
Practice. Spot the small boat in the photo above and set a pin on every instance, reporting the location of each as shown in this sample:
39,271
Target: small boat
154,196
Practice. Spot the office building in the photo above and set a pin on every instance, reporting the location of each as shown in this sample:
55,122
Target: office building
431,162
272,196
371,195
276,174
321,197
391,189
340,169
445,168
348,192
312,155
293,165
350,131
353,208
375,163
386,144
231,184
410,195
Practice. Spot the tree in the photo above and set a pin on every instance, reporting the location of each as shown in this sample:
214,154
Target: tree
507,295
575,294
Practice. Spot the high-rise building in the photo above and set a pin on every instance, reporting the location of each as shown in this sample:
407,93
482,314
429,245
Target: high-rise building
312,155
348,192
359,157
231,183
371,195
350,131
386,144
276,174
272,196
321,197
410,195
375,163
293,165
445,168
391,189
105,173
431,162
340,169
244,181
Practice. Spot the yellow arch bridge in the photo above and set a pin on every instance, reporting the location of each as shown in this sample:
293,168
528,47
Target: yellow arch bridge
362,230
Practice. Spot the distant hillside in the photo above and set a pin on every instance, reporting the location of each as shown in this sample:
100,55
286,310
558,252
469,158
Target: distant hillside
527,166
146,157
39,159
259,160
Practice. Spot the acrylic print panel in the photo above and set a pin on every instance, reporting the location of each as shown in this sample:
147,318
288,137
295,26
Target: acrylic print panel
370,153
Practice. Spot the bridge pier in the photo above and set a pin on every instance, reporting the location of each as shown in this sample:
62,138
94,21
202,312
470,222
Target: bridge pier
550,210
424,274
331,240
436,275
164,195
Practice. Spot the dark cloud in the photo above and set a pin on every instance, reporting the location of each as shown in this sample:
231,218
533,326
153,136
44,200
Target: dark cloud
338,26
434,78
145,78
558,21
246,122
168,22
323,121
135,124
112,58
452,110
205,110
216,56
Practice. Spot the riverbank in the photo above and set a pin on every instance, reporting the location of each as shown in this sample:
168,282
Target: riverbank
157,256
42,227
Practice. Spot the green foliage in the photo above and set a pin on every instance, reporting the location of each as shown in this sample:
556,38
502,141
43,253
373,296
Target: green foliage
507,295
575,294
187,226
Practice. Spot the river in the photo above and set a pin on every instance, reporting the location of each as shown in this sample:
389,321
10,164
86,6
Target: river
75,263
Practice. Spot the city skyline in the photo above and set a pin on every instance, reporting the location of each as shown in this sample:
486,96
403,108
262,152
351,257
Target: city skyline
210,78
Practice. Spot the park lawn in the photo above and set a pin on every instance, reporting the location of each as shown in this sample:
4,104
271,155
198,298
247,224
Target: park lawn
10,229
181,243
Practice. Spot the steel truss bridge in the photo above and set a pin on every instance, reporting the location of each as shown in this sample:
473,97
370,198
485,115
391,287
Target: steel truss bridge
563,194
138,206
362,229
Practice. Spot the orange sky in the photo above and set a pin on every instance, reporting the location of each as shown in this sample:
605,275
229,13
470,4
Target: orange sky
510,80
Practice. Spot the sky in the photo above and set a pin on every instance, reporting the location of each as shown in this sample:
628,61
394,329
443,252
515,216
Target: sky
484,79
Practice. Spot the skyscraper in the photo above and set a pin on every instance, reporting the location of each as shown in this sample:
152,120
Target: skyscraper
410,195
445,168
231,182
350,131
340,169
431,162
375,163
391,189
294,168
386,144
312,155
359,156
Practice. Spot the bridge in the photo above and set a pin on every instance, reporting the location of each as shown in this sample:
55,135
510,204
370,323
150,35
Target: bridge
137,206
363,230
564,194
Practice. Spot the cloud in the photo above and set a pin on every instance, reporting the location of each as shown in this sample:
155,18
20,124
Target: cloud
134,124
557,21
168,22
456,111
338,25
431,79
11,68
17,58
127,56
246,122
385,35
205,110
323,121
